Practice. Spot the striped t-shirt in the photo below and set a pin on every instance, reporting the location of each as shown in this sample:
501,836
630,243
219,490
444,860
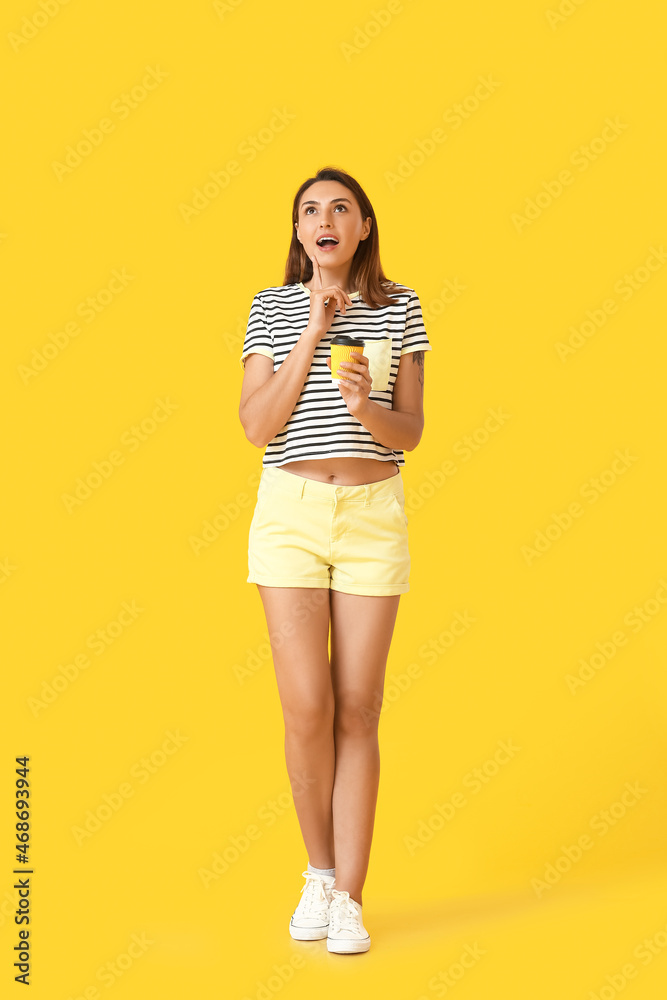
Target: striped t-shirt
321,426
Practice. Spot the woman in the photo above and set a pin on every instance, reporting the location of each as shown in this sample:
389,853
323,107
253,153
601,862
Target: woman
328,544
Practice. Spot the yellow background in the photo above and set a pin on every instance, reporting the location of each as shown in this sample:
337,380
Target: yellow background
361,88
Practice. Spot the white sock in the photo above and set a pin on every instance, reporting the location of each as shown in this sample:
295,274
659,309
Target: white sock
321,871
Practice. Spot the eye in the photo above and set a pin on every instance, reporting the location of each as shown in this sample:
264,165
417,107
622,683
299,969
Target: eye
307,209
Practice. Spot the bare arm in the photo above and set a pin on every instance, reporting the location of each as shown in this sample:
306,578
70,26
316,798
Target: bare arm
268,398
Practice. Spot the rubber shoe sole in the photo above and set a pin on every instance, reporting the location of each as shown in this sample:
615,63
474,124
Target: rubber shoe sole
346,946
308,933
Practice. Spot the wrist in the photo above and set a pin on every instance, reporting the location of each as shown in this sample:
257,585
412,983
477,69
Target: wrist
365,407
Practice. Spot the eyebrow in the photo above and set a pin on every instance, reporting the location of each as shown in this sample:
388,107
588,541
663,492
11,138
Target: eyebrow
311,201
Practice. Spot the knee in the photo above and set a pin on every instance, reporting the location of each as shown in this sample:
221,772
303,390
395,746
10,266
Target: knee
308,722
356,717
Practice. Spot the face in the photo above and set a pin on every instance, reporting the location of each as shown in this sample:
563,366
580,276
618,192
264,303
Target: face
329,208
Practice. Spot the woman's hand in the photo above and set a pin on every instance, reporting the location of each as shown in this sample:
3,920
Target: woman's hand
321,315
355,392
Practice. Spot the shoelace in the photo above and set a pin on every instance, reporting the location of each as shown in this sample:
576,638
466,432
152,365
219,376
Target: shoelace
313,898
344,914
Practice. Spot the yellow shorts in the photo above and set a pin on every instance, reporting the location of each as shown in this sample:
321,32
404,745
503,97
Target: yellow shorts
306,533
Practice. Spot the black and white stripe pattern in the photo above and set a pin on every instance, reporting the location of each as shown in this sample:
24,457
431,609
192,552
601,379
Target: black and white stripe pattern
321,425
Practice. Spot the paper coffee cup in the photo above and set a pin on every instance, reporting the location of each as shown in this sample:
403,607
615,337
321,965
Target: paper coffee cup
341,348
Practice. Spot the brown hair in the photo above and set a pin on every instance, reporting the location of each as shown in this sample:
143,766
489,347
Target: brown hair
366,272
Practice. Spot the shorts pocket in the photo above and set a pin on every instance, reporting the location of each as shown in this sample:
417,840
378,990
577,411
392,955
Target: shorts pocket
264,492
398,502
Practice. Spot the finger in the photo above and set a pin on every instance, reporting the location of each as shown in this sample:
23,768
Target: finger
317,274
364,370
335,298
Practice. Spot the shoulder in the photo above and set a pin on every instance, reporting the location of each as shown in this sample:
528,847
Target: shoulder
278,300
402,293
276,292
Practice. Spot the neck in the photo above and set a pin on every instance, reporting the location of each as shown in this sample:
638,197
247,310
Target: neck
334,276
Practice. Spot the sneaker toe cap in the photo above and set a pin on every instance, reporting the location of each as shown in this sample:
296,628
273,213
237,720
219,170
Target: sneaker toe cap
309,922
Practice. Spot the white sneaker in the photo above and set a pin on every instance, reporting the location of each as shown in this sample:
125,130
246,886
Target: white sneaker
310,920
346,931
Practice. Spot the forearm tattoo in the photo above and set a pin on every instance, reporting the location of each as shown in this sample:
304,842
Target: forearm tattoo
418,359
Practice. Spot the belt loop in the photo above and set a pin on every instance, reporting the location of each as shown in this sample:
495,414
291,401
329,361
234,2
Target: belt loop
367,494
303,487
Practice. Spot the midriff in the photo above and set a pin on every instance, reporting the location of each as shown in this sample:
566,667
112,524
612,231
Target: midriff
343,471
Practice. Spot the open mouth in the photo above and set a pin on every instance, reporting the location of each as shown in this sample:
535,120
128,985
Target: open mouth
327,242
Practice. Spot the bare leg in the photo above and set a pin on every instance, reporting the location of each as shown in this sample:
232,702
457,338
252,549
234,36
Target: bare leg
301,662
361,632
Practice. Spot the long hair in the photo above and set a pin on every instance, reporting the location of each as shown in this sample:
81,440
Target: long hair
366,272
